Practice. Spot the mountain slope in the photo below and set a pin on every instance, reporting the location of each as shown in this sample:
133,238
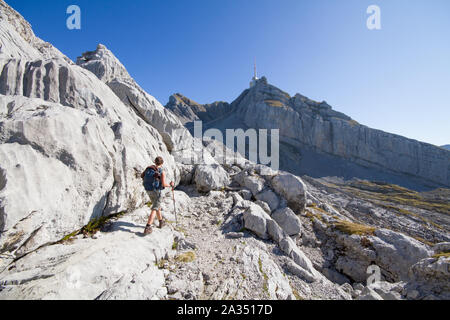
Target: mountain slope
316,140
73,142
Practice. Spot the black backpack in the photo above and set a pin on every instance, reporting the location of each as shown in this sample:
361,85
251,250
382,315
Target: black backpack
152,178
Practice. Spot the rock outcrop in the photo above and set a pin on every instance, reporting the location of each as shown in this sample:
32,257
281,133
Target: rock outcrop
74,139
70,149
319,141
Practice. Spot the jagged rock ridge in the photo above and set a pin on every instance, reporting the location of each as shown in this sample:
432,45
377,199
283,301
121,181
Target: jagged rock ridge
319,141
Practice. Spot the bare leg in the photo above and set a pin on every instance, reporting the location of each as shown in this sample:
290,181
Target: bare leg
159,215
152,217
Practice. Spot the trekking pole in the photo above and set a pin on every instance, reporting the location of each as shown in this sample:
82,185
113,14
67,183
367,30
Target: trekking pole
174,207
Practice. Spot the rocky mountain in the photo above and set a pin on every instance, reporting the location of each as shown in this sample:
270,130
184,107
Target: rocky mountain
318,141
74,138
446,146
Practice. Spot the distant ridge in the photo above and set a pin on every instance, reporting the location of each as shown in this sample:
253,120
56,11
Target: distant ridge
317,141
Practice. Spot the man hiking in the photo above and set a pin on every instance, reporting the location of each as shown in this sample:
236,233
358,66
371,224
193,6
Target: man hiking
154,183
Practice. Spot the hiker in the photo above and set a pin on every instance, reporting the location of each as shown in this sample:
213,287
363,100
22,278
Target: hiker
154,182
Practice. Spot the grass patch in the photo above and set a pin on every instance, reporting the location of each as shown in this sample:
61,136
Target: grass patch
354,228
186,257
92,227
174,245
266,278
97,223
69,236
429,243
161,263
353,123
443,254
396,194
297,295
274,103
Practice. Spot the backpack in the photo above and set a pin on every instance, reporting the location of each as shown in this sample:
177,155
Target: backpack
152,178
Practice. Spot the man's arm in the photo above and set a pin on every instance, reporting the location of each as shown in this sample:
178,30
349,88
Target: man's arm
163,181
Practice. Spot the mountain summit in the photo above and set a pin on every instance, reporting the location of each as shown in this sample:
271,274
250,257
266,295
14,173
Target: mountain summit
318,141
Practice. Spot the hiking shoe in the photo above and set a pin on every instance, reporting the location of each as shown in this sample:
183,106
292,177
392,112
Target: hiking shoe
162,223
148,229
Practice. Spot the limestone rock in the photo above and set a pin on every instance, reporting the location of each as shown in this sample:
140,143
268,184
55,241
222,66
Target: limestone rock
254,183
292,188
77,270
270,198
398,252
287,220
255,219
369,294
210,177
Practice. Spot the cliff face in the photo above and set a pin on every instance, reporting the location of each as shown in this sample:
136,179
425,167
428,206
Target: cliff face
314,130
70,149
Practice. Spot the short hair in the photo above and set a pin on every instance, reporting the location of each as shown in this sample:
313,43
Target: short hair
159,161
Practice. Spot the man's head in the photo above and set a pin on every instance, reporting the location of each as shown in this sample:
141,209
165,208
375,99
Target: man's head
159,161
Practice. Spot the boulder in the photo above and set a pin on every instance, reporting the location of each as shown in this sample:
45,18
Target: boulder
211,177
287,245
397,252
433,275
270,198
295,269
254,183
246,194
303,261
288,221
275,231
255,219
263,205
292,188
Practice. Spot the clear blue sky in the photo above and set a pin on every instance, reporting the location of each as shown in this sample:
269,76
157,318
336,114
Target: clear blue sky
395,79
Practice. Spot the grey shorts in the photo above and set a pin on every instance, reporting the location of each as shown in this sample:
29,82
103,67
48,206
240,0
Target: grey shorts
155,198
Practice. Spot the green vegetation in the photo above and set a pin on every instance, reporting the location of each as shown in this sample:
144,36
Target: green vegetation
69,236
365,242
396,194
97,223
274,103
409,213
354,228
429,243
185,257
443,254
92,227
160,264
297,295
266,278
353,122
